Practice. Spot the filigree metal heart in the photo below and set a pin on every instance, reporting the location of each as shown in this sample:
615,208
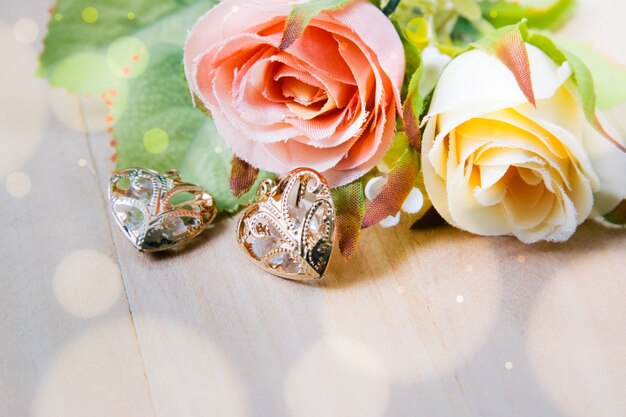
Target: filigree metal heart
158,212
289,231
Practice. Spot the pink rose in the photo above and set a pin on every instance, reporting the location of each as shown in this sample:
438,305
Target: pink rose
327,102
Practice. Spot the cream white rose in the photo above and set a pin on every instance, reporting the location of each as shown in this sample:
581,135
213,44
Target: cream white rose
495,165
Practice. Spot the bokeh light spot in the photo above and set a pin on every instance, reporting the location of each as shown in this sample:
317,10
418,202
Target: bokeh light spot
128,57
101,359
90,15
26,31
156,140
219,150
82,163
418,31
18,184
84,117
131,16
340,363
87,283
58,17
24,97
82,73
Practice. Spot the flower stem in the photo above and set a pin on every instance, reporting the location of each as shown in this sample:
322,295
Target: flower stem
391,7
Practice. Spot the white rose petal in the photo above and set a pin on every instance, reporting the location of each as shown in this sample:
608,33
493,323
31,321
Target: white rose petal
495,165
433,63
390,221
374,187
476,83
610,165
414,202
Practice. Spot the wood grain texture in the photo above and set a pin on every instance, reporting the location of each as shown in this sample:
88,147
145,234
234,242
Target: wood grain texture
419,323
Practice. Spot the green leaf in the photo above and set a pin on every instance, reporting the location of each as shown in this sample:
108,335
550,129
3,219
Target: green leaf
399,184
582,77
413,59
75,48
159,99
242,177
550,15
412,109
547,45
398,147
132,55
301,15
609,76
349,201
469,9
618,215
411,99
464,33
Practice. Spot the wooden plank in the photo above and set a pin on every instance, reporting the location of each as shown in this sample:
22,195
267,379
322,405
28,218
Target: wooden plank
432,323
436,323
67,342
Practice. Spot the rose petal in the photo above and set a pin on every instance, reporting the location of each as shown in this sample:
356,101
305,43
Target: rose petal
476,83
374,186
314,116
384,41
390,221
315,48
414,202
224,20
610,166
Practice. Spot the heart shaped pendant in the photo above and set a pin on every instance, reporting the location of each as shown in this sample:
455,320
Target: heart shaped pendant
289,231
158,212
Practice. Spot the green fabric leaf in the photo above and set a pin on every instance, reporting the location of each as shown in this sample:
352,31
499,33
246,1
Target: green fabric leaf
75,48
464,33
412,101
618,215
131,54
548,16
582,77
469,9
349,202
609,77
412,109
242,177
301,15
398,147
159,100
399,184
413,59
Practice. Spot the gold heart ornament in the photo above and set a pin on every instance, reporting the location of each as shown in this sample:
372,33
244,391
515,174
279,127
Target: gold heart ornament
289,231
158,212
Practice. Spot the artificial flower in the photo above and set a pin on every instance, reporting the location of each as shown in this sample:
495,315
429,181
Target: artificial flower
495,165
433,62
329,101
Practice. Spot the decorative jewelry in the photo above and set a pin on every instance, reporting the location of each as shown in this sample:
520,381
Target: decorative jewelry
289,231
158,211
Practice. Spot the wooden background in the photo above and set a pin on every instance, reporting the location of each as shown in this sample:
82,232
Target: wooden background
437,323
